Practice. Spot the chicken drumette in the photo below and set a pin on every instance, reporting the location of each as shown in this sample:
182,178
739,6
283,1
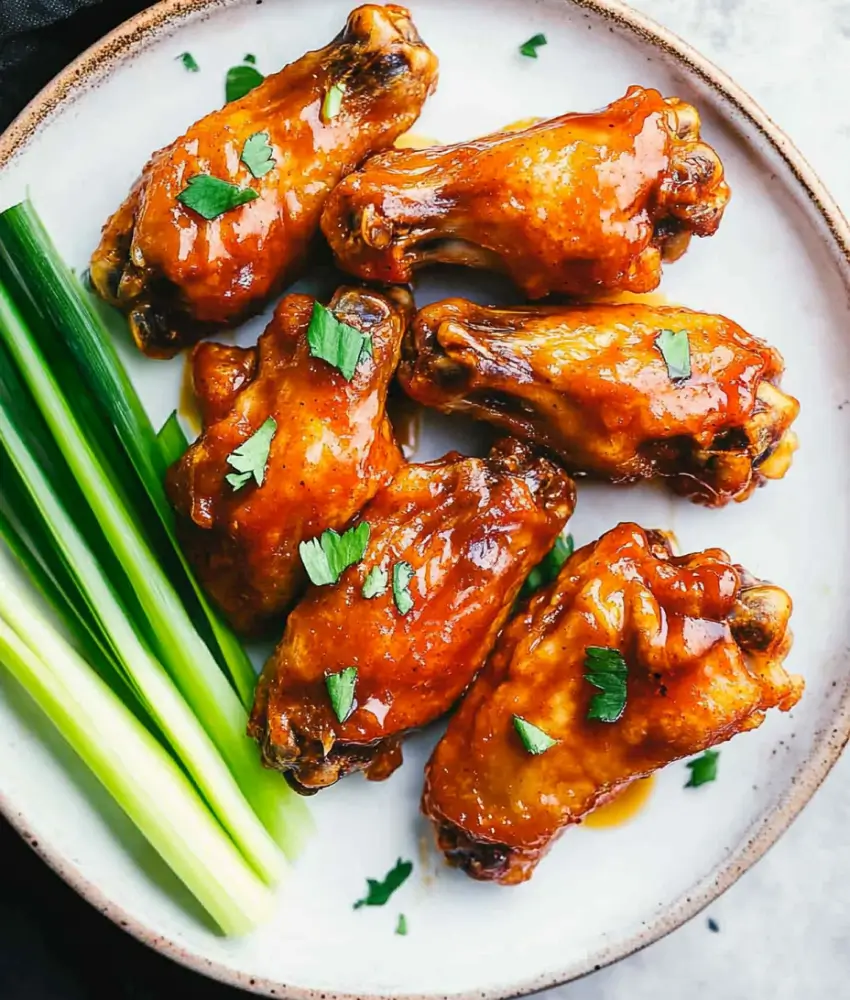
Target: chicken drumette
332,449
179,274
467,532
702,644
599,386
577,204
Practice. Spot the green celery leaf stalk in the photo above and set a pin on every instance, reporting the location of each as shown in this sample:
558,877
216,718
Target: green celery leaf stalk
171,439
133,767
37,272
155,689
179,646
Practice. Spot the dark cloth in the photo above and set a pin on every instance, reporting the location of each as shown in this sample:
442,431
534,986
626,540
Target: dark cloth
53,945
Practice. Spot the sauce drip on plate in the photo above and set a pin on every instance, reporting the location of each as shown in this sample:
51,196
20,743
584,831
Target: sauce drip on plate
623,807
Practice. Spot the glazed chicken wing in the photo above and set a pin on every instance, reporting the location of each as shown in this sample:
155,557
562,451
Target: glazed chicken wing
178,274
577,205
332,449
703,644
469,530
592,384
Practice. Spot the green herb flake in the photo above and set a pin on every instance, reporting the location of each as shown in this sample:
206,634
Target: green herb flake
336,342
530,47
548,567
332,102
376,583
250,58
379,892
341,691
241,80
533,738
403,573
401,926
676,351
252,456
211,197
703,769
189,62
606,670
257,154
326,557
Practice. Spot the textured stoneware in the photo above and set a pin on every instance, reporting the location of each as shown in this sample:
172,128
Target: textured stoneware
779,266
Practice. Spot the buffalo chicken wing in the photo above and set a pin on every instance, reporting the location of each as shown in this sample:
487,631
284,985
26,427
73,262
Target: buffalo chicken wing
578,204
467,531
332,449
703,645
179,273
592,384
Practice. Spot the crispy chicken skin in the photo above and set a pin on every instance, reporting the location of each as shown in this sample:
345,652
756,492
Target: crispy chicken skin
332,450
704,644
578,204
471,529
178,276
590,383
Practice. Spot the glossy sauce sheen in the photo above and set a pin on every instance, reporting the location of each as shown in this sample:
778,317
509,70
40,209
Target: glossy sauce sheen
704,645
590,383
178,274
623,807
471,529
332,450
578,204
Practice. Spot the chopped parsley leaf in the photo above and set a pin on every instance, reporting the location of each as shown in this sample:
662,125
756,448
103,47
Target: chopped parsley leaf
676,350
379,892
341,691
533,738
252,456
211,197
606,670
326,557
703,769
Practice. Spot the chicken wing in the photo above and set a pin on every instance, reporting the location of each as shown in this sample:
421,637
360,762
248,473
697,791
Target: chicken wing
703,644
332,449
469,530
577,204
178,274
593,384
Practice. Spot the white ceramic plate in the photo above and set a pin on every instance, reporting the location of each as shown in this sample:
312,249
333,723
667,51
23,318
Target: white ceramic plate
778,266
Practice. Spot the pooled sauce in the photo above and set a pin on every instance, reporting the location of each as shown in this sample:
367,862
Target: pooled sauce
646,298
187,406
412,140
522,123
623,807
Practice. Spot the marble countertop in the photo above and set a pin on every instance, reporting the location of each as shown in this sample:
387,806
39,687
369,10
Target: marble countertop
784,928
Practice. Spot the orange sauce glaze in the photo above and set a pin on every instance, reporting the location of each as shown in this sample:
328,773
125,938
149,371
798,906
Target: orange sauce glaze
623,807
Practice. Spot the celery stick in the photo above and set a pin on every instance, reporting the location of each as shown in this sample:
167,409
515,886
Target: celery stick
171,439
178,645
137,772
37,272
156,691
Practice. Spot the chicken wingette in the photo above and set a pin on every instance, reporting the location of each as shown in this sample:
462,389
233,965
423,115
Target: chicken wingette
187,252
579,204
620,392
406,628
331,448
631,659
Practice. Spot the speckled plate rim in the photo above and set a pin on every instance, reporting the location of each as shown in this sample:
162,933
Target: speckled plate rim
128,40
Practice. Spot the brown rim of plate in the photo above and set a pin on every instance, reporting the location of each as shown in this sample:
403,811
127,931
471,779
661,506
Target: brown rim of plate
129,39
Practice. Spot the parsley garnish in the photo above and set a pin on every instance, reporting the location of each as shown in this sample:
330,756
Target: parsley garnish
375,583
326,557
252,456
332,102
530,47
606,670
336,342
341,691
533,738
401,926
703,769
676,350
379,892
189,62
548,567
249,57
403,573
241,80
211,197
257,154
